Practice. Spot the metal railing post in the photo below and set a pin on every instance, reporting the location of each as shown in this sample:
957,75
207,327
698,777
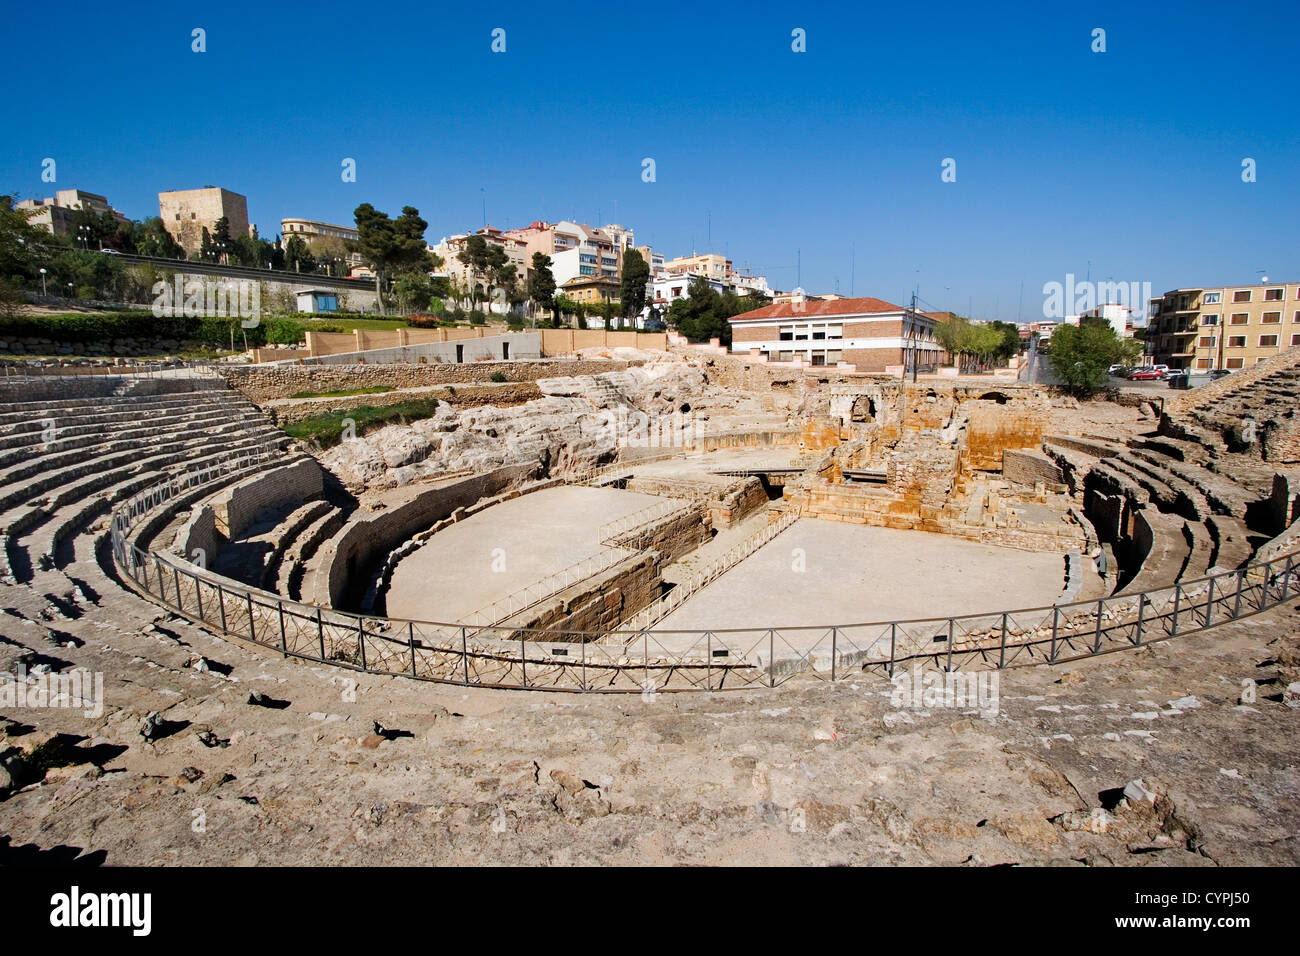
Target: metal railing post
284,647
893,641
523,660
1142,603
582,675
410,639
221,602
252,628
1209,603
1286,577
1056,614
1096,639
1178,596
464,654
320,634
1263,591
948,666
835,633
198,596
771,657
1236,604
1002,644
361,639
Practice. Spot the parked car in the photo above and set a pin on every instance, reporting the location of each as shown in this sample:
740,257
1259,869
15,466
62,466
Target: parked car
1120,370
111,252
1144,375
1162,369
1218,373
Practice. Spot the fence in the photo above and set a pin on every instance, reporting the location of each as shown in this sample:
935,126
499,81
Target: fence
643,661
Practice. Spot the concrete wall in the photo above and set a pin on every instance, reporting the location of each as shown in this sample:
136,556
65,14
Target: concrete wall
55,387
513,345
199,532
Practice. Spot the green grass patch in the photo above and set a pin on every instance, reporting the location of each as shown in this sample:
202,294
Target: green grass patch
344,392
347,323
326,431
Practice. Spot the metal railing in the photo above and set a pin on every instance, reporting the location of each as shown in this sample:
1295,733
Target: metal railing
664,660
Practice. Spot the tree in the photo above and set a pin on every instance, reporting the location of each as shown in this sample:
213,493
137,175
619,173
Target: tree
541,284
1081,354
391,246
704,313
632,284
297,257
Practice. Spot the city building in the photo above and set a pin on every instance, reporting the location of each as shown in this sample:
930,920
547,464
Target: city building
309,229
1117,316
710,264
55,213
463,277
867,334
591,289
187,212
1223,327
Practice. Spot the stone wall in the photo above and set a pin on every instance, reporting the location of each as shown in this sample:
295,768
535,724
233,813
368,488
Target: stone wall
55,387
266,382
199,533
1030,467
511,345
995,427
598,604
502,396
237,507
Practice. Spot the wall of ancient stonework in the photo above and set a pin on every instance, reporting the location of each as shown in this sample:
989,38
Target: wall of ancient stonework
502,396
264,382
1029,467
289,485
996,427
598,604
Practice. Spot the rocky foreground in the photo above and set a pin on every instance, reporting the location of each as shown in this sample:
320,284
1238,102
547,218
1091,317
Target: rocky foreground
1177,754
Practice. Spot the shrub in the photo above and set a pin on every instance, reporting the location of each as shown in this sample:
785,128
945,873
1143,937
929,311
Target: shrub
476,317
497,377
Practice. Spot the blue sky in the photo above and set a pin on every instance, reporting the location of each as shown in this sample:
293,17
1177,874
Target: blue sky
1129,158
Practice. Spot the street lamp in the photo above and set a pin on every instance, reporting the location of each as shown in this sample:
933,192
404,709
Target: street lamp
42,283
69,290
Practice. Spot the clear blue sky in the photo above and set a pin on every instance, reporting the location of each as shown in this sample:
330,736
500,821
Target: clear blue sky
1129,158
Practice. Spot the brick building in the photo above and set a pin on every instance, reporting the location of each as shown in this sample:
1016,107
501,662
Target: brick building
869,334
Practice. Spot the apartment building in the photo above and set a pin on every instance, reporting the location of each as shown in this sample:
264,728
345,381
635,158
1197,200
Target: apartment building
54,213
187,212
1223,327
516,249
867,334
710,265
309,229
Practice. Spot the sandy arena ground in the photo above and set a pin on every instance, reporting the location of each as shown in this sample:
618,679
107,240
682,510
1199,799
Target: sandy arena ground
829,572
461,570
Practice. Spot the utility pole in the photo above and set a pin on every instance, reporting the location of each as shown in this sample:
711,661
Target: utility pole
911,315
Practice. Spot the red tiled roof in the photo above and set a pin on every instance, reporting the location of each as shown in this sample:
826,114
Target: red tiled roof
818,308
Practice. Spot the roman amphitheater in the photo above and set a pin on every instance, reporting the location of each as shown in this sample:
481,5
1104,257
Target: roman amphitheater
649,605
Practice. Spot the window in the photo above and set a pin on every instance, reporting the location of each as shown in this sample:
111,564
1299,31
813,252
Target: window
1236,341
787,333
819,335
1240,318
1295,339
1207,341
1268,341
1272,295
784,356
837,331
1212,319
1235,363
1272,318
1241,295
1212,298
1203,363
834,357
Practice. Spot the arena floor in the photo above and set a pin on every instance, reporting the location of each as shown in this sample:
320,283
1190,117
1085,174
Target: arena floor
460,569
855,573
